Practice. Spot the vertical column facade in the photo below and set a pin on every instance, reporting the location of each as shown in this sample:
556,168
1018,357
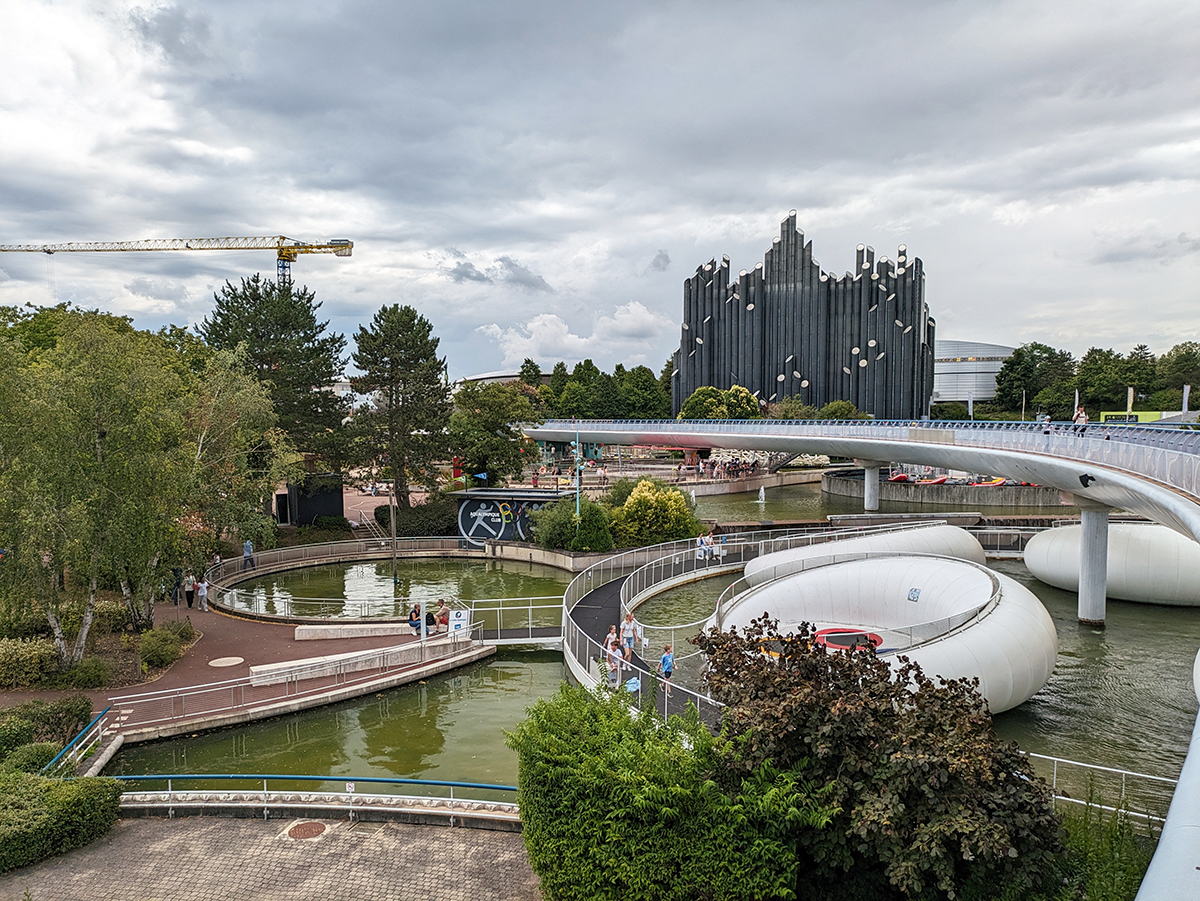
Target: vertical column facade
786,328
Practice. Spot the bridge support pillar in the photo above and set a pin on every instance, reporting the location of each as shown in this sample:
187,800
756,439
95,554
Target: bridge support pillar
1093,562
871,483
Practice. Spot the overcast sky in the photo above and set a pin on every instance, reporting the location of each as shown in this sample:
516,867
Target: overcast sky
539,178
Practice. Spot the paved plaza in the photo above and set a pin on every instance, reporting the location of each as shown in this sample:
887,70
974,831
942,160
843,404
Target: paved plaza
215,859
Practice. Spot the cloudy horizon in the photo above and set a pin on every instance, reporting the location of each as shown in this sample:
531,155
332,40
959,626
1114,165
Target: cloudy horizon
538,179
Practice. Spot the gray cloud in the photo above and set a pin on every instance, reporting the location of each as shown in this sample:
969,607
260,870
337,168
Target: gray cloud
465,271
660,263
157,289
511,272
177,33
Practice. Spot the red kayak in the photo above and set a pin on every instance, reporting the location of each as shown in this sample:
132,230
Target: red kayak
898,476
940,480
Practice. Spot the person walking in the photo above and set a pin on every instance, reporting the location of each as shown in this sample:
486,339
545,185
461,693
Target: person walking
202,593
247,555
666,666
631,631
189,588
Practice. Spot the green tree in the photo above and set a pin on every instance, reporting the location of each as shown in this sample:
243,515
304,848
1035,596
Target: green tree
290,350
666,375
607,402
120,462
585,372
410,408
741,404
531,373
933,804
575,402
652,514
643,395
706,402
1141,371
1180,366
1033,368
1100,379
559,378
485,430
841,409
792,408
556,526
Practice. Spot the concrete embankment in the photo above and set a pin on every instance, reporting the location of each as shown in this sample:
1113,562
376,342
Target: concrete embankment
849,483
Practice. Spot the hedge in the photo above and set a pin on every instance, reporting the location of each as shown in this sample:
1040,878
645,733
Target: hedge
25,662
14,732
43,817
159,647
437,516
58,721
31,758
621,806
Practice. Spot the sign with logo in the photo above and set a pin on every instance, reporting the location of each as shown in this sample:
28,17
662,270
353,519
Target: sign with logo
481,520
459,621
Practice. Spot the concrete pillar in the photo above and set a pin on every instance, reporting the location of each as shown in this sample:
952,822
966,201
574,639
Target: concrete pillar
1093,565
871,483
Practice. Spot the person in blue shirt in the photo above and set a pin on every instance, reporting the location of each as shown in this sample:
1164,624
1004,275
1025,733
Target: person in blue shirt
666,666
414,619
247,555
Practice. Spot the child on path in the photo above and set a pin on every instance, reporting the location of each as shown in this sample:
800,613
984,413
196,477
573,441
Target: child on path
614,666
666,666
202,593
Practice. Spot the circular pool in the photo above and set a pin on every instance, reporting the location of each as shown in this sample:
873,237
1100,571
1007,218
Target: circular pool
366,589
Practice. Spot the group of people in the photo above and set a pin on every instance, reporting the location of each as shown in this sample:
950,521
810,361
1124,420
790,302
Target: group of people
190,589
707,469
618,651
435,620
706,547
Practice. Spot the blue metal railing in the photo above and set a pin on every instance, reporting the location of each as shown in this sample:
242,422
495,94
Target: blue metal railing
79,744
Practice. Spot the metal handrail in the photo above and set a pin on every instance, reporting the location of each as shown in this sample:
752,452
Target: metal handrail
396,780
97,724
282,683
917,634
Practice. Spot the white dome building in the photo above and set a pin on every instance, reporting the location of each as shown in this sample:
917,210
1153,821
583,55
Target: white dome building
1146,562
955,618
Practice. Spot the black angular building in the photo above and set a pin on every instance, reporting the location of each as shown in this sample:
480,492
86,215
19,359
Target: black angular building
786,328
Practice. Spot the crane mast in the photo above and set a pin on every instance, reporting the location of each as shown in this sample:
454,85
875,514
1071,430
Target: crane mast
286,249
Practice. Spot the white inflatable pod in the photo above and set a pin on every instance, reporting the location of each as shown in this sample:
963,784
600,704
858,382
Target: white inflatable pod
947,541
1146,562
954,618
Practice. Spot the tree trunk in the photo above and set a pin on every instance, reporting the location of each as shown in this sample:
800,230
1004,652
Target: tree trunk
60,641
85,626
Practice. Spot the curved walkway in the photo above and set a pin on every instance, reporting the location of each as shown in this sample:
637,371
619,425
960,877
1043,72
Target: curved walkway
214,859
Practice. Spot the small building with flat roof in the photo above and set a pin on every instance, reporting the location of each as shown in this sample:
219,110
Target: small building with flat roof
965,370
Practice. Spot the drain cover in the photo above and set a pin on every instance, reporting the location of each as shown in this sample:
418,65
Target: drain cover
306,830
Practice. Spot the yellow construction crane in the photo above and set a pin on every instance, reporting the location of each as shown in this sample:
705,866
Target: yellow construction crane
286,249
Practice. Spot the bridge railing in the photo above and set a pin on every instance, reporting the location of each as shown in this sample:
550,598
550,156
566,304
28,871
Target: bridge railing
1168,454
79,747
237,569
897,638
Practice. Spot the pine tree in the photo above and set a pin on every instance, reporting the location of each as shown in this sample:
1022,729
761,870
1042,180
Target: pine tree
410,409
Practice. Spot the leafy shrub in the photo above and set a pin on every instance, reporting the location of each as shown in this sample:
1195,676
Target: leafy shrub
43,817
554,526
58,720
181,629
437,516
332,523
21,621
90,672
616,805
111,615
932,803
14,733
653,514
30,758
25,662
159,647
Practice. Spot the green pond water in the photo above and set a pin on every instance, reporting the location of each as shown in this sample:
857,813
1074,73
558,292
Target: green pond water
449,727
366,589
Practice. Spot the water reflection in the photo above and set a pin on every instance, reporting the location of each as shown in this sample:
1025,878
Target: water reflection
449,727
